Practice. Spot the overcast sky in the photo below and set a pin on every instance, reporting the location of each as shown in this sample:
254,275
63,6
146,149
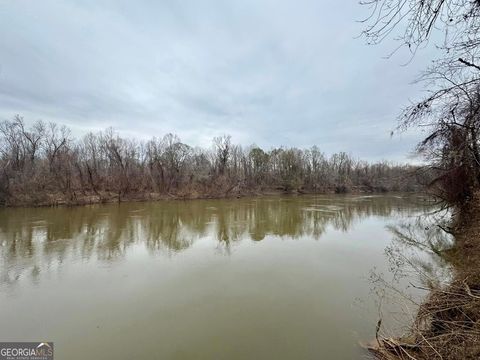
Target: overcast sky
268,72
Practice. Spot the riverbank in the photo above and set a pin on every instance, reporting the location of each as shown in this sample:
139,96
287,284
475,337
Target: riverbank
447,325
52,200
85,198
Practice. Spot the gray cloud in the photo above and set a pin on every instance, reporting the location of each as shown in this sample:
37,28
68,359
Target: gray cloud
267,72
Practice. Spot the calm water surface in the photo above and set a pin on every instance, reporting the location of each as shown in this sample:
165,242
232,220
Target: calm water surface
259,278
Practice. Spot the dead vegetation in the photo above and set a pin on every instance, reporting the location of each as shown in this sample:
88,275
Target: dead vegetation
448,322
447,325
44,164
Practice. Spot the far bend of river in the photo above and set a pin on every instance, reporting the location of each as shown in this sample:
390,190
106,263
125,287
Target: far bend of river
253,278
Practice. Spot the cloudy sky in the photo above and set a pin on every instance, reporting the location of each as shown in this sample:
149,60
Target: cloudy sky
268,72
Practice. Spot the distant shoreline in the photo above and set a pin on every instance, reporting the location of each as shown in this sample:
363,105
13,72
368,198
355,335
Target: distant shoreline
45,165
57,200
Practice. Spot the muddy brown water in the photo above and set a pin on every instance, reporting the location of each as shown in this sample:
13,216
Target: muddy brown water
254,278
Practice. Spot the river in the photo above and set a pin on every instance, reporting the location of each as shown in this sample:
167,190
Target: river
280,277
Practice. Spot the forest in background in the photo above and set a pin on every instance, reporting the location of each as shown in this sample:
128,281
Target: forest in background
44,164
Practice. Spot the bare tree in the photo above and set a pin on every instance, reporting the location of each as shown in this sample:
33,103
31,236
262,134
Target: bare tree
223,147
107,166
450,111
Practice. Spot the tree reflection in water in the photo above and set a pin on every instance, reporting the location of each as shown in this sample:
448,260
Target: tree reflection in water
32,239
419,261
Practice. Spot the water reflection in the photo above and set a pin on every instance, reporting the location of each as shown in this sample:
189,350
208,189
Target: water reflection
420,246
418,258
35,239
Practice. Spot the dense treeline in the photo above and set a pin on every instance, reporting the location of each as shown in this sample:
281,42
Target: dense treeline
45,164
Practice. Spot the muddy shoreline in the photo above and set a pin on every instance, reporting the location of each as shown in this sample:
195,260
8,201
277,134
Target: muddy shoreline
53,200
